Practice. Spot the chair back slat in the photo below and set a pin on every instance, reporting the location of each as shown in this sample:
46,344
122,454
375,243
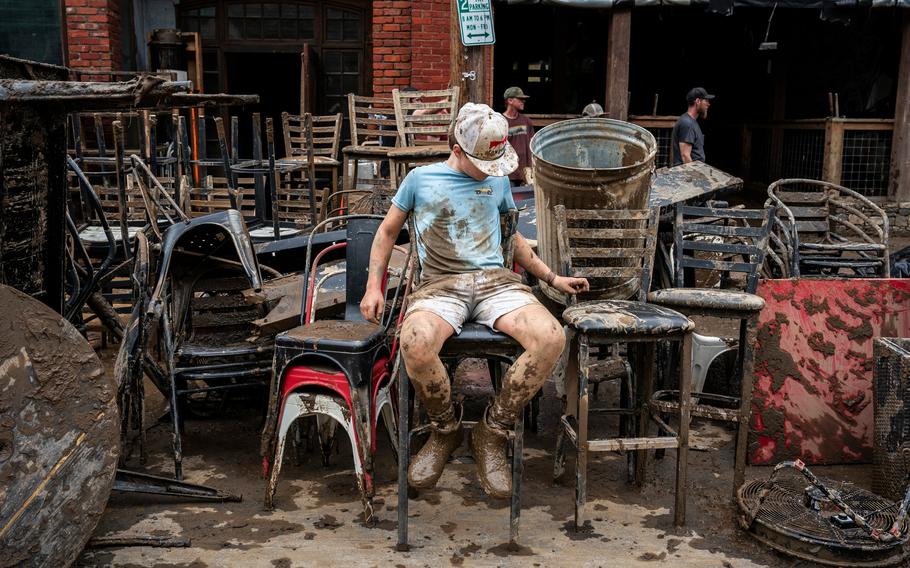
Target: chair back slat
214,196
421,121
605,244
325,133
371,118
724,240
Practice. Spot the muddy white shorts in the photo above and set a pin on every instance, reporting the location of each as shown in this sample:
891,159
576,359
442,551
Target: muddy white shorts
483,297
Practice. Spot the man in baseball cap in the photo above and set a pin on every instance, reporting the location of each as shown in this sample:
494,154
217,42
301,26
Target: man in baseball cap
456,206
520,131
687,143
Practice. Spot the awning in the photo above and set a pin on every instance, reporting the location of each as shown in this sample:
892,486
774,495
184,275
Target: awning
721,5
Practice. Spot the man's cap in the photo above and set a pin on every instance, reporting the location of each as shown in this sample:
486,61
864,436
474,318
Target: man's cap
514,93
698,93
483,134
593,110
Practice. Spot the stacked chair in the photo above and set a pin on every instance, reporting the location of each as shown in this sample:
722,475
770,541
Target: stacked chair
339,370
423,119
373,134
828,229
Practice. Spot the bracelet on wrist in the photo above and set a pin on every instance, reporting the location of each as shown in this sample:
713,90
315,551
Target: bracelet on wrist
551,277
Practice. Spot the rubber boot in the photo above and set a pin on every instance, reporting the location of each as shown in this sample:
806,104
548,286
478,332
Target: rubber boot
446,435
488,442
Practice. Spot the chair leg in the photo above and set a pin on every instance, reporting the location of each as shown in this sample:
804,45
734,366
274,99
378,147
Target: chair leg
581,448
177,443
289,415
645,356
363,476
682,451
559,454
404,454
386,410
325,428
517,473
747,339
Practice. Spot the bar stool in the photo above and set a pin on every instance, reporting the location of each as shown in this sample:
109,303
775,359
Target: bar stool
728,241
619,245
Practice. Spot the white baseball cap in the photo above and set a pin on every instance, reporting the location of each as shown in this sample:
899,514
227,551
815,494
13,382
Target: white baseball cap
483,134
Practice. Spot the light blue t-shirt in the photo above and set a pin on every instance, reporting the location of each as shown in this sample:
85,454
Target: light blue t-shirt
457,218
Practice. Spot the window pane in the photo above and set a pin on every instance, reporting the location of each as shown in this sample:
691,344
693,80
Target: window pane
333,83
352,30
207,12
235,10
288,10
289,29
271,28
235,28
349,64
271,10
253,28
207,28
333,29
350,83
333,61
333,14
190,24
307,29
253,10
306,12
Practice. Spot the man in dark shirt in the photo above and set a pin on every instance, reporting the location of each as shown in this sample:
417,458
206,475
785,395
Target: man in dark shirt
520,132
688,143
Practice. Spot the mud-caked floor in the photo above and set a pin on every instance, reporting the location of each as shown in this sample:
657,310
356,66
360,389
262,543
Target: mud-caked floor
317,516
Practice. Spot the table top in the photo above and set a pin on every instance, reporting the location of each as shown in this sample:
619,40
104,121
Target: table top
425,151
262,166
689,181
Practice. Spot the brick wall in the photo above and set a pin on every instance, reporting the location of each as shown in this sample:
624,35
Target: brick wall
430,49
410,44
93,36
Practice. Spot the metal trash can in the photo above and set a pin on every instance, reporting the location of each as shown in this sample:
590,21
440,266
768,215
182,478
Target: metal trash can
590,163
891,404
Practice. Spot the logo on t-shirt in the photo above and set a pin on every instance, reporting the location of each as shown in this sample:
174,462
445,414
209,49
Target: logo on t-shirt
518,130
486,190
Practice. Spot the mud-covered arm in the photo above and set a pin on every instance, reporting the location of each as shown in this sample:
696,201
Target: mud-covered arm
528,259
373,302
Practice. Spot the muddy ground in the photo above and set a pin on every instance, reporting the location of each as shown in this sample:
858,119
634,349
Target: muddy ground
317,515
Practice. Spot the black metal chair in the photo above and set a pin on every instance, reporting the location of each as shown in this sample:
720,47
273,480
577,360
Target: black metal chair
474,341
338,370
725,241
620,245
204,321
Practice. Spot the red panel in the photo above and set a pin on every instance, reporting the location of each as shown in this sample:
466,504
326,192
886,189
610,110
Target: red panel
813,366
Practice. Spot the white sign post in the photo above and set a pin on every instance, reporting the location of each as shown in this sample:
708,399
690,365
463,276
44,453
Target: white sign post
476,19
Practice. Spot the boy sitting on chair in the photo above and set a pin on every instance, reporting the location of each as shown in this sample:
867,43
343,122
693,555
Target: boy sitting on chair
457,206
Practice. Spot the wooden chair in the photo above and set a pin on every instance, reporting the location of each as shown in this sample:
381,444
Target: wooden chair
620,244
831,228
373,134
423,119
324,142
214,196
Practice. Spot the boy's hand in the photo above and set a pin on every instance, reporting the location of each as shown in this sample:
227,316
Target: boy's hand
372,305
570,285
